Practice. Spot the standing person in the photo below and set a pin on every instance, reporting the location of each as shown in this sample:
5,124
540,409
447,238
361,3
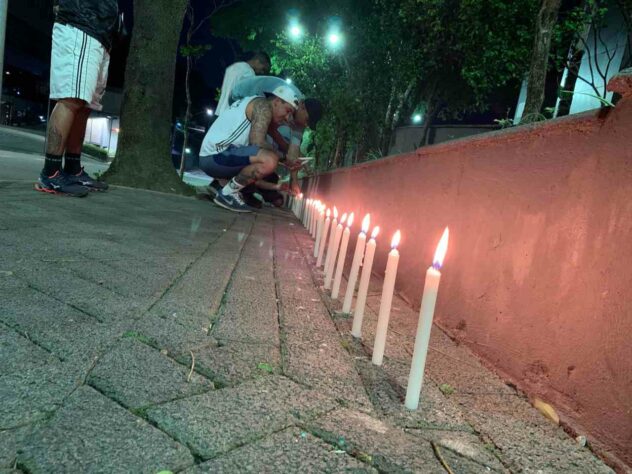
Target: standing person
258,64
235,147
82,37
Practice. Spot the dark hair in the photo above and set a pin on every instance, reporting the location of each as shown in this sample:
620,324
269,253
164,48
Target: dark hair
314,111
262,57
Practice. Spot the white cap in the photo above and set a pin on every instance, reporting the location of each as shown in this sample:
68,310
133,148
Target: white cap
287,94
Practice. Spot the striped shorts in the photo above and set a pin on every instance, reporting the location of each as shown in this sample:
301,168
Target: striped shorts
79,66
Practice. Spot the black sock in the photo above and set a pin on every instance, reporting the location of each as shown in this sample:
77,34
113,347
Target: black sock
52,164
72,164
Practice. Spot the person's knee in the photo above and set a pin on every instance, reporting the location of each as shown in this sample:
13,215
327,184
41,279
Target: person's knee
269,162
73,104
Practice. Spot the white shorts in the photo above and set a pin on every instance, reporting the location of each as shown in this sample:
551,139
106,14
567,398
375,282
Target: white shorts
79,66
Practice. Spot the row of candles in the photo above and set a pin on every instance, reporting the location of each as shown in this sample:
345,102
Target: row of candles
334,235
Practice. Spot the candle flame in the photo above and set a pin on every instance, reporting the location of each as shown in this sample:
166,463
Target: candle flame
396,238
328,213
366,222
350,221
343,218
335,212
442,249
376,230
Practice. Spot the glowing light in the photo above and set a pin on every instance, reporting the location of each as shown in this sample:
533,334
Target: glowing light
334,39
288,80
335,212
396,238
296,31
350,221
442,249
328,213
188,150
366,222
209,112
376,230
417,118
343,218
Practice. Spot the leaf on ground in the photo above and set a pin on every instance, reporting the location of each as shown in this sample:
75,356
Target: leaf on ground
265,367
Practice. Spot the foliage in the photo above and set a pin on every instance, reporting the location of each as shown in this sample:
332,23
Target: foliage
442,56
95,151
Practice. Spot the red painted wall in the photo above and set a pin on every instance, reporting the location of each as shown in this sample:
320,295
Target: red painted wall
538,275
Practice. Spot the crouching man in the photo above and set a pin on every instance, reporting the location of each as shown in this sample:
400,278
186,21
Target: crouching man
235,146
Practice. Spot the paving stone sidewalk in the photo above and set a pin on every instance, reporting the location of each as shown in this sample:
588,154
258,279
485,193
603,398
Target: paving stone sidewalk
142,332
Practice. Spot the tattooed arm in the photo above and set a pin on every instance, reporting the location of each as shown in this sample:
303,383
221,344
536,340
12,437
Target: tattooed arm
261,117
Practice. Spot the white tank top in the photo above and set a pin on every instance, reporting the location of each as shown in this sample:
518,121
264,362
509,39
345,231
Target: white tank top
230,128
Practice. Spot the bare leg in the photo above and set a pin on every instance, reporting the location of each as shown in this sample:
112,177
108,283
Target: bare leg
78,132
263,164
61,123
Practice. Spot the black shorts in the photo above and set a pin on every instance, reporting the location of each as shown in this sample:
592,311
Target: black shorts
229,163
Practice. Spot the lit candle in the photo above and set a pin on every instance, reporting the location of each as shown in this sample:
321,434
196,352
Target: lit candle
334,225
387,300
319,228
355,264
315,217
323,240
342,256
424,326
363,289
331,261
299,207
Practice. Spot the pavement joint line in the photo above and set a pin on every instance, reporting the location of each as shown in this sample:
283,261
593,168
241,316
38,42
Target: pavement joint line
138,414
146,341
26,336
59,300
323,300
354,453
275,275
188,267
214,318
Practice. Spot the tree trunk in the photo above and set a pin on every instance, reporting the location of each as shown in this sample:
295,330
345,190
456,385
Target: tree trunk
545,22
144,154
401,102
187,117
431,113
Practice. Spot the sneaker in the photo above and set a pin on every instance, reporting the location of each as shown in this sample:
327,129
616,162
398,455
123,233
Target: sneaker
61,183
252,201
214,188
232,202
88,181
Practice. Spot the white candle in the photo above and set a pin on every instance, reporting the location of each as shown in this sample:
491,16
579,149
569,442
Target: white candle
319,229
308,204
323,240
424,326
363,289
342,256
299,207
315,215
355,264
334,225
329,267
387,300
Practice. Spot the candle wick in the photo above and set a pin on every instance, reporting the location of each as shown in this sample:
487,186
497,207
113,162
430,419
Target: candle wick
436,266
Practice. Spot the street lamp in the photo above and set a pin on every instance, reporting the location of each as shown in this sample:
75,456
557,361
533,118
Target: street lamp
209,112
296,31
334,39
417,118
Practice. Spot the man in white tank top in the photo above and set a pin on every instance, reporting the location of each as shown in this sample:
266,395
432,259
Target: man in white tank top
236,147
